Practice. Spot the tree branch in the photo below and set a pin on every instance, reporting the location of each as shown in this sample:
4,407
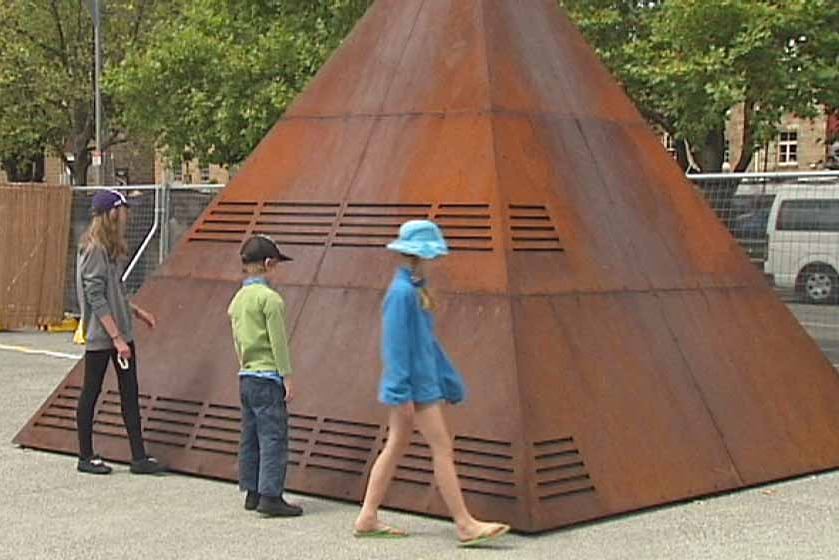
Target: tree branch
747,150
115,139
43,46
62,43
135,31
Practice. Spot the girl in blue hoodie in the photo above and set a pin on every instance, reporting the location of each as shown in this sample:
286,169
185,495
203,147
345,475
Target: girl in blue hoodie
418,377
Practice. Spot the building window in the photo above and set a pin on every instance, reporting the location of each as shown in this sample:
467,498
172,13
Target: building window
121,176
178,173
669,145
788,148
205,174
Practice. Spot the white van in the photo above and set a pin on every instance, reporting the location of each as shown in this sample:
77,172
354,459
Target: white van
803,232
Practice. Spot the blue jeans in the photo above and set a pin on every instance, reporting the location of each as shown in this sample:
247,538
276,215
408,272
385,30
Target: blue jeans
263,445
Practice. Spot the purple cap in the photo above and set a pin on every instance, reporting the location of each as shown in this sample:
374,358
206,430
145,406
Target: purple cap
106,200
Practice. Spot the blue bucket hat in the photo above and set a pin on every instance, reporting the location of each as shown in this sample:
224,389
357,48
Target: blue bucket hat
421,238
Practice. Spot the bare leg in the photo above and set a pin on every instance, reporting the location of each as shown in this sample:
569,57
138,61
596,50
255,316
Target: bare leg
432,424
399,437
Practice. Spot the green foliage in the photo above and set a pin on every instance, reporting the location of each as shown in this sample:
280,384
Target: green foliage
47,69
216,78
686,63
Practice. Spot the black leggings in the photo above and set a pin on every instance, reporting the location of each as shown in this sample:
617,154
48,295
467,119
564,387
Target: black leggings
95,366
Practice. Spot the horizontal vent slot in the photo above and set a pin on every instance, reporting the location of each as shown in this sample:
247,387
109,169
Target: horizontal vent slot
461,216
286,223
59,425
567,494
478,444
285,204
226,221
236,204
200,239
560,469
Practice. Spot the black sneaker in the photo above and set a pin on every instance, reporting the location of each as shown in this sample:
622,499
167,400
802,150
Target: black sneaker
94,465
251,500
149,465
277,507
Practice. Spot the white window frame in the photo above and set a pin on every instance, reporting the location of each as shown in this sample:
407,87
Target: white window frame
178,173
205,174
669,144
788,148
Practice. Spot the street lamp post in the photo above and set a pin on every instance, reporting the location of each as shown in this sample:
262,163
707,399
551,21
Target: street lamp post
97,41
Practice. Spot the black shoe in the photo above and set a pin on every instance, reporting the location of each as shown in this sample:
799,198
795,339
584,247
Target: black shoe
277,507
94,465
251,500
149,465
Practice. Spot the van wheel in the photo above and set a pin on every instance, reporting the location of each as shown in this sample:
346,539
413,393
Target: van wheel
818,283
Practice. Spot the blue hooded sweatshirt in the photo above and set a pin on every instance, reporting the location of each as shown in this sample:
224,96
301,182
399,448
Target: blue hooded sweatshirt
416,368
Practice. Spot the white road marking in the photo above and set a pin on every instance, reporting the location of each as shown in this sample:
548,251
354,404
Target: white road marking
821,325
25,350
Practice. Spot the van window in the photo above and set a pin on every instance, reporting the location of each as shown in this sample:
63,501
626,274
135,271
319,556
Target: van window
808,215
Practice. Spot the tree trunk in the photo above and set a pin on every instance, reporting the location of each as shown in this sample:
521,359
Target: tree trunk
712,152
83,133
81,163
23,169
748,150
682,154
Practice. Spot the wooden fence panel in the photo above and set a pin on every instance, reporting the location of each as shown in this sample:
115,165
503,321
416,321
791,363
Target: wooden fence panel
34,233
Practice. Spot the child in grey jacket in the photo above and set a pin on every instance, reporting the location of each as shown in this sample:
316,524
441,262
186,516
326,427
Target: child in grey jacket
107,322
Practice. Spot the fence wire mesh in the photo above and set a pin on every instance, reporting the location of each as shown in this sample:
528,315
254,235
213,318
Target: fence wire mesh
788,225
176,209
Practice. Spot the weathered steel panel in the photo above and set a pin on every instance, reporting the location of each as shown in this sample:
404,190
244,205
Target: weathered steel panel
620,350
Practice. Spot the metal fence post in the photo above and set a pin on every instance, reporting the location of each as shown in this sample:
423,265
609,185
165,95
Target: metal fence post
163,213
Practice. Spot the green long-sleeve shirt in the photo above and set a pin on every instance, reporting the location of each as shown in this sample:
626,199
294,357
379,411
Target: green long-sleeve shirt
257,316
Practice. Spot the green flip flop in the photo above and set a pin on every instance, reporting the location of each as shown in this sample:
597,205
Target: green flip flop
490,534
384,532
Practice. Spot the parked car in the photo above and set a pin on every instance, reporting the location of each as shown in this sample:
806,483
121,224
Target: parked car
749,229
803,248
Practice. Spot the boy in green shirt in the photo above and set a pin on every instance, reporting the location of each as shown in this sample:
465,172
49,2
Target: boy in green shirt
257,315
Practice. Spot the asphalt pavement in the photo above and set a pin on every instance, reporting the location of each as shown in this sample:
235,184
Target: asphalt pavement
48,510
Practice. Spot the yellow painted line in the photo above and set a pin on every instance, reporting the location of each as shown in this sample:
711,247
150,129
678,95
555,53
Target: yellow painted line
25,350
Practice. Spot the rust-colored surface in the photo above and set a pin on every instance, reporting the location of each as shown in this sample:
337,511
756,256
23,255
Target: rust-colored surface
620,349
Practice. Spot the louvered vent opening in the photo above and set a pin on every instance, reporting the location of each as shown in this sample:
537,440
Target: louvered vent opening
467,227
226,222
170,421
375,225
532,229
560,470
218,430
301,430
343,446
297,223
484,466
60,413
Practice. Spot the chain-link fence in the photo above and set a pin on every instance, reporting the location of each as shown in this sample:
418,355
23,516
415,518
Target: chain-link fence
160,215
788,224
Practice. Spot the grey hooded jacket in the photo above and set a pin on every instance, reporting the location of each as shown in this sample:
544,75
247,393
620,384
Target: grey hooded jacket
101,292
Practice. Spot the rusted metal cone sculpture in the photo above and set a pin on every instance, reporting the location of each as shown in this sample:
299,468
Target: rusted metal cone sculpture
620,349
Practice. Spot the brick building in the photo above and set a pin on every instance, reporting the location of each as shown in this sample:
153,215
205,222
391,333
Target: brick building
801,144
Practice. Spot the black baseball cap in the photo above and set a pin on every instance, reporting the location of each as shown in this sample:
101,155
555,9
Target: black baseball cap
261,247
